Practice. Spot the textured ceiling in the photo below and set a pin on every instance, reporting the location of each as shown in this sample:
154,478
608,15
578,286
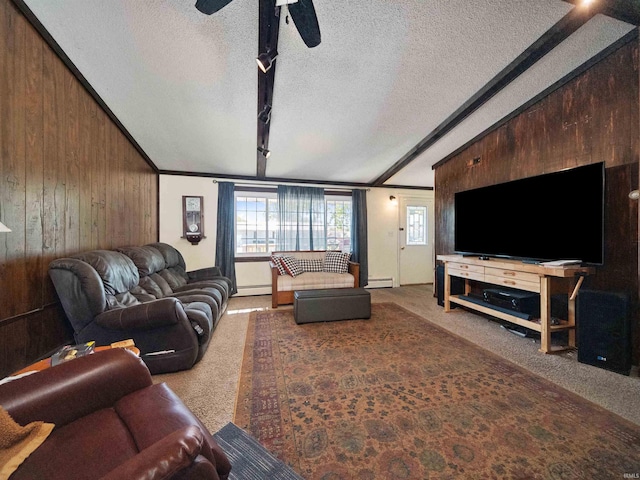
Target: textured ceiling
386,74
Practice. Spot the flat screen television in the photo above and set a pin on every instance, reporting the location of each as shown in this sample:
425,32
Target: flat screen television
555,216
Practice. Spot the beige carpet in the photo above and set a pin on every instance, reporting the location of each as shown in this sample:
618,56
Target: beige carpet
209,388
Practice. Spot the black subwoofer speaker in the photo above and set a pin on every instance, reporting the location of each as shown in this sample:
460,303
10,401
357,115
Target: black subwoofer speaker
457,286
604,330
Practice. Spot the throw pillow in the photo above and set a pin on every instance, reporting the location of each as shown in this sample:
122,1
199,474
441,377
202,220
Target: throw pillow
277,261
311,264
336,262
291,265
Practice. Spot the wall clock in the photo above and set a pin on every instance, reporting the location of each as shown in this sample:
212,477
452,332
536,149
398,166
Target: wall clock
193,218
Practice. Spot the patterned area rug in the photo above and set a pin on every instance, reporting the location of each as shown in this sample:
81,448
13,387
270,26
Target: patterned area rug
398,397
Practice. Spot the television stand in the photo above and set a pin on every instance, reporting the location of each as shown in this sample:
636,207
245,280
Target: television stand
516,274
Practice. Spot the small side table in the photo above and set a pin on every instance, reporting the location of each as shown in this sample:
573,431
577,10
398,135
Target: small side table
46,363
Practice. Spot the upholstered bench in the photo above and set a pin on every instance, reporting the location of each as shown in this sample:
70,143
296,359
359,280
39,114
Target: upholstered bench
331,304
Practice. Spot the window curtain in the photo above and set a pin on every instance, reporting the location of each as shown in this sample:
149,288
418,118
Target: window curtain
359,246
301,212
225,241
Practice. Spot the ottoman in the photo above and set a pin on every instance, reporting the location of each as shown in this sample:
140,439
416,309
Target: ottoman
331,304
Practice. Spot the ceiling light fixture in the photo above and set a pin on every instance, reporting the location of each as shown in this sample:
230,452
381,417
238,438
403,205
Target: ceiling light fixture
265,115
265,60
265,153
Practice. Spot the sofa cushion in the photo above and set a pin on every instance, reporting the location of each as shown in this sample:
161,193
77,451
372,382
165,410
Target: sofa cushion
57,458
117,271
291,265
336,262
311,264
151,287
147,259
141,410
314,280
307,254
161,283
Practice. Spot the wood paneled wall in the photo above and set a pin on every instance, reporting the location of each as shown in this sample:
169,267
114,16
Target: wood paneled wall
593,118
69,181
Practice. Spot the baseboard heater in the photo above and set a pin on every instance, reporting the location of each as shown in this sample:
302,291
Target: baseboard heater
249,290
380,283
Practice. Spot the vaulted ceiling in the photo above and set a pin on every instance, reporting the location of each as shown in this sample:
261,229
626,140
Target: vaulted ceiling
393,88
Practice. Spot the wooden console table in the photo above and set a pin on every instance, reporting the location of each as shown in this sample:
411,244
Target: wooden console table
536,278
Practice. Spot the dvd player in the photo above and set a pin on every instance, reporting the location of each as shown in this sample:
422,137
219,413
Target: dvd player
517,300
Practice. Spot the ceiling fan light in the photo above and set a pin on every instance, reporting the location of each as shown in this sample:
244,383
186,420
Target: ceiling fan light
265,60
265,115
265,153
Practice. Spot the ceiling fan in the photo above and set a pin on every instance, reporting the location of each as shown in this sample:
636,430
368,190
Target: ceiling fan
302,12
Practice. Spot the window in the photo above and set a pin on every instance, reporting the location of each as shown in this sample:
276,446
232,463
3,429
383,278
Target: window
416,225
257,222
338,222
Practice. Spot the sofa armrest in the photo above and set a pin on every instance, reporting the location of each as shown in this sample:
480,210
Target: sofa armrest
354,269
204,274
274,284
73,389
165,458
146,316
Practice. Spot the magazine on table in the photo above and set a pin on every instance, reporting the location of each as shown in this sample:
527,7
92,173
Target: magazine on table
70,352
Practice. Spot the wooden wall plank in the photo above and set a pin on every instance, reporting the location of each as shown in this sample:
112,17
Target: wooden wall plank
34,181
72,147
50,145
14,166
69,182
4,144
101,174
84,169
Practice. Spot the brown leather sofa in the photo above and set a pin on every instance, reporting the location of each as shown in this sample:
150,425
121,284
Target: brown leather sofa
179,279
160,275
111,422
104,300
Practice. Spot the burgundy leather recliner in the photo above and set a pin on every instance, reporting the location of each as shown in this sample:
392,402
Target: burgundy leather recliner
111,422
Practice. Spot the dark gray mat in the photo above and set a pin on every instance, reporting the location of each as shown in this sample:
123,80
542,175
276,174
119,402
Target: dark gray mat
250,460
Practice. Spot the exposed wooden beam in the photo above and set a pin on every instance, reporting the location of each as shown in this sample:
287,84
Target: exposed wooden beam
629,37
624,10
267,39
543,45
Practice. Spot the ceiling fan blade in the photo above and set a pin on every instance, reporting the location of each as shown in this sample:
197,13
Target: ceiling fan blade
304,16
211,6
